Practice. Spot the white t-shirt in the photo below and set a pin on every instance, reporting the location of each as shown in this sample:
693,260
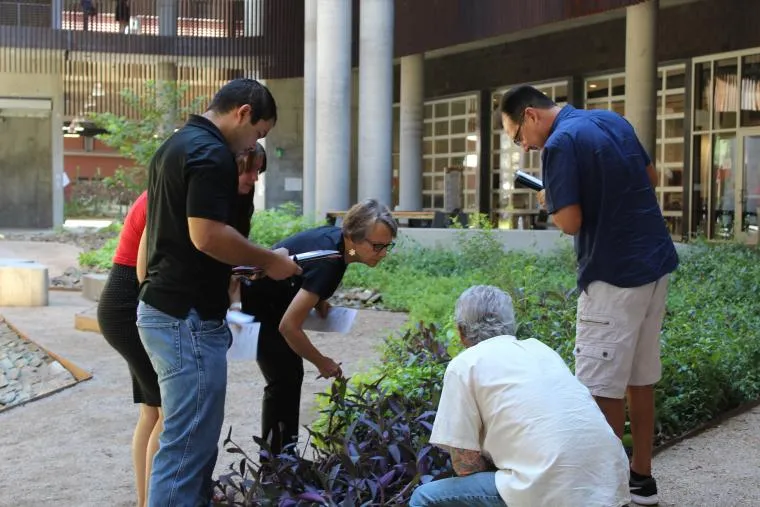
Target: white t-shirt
517,403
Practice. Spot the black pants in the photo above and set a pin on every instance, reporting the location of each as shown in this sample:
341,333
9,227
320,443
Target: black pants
283,371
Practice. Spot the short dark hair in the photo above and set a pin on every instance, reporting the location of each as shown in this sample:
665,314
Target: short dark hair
518,99
242,92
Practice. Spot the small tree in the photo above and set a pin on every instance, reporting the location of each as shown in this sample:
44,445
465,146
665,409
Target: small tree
155,111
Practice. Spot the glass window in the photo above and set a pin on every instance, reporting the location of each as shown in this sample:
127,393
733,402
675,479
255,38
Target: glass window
750,91
726,93
702,96
724,169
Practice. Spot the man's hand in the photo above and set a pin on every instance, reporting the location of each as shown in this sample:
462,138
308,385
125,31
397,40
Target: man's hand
280,266
541,196
322,308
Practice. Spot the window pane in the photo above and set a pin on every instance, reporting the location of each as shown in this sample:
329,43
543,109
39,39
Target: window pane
458,107
674,104
750,102
726,94
427,147
442,128
428,132
702,96
618,86
673,177
597,88
676,78
441,146
674,152
674,128
458,126
442,110
428,111
457,145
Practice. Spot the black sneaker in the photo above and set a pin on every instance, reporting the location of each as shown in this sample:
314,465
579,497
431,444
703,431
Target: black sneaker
643,489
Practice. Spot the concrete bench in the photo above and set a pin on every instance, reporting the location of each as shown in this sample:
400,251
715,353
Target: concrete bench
23,283
92,286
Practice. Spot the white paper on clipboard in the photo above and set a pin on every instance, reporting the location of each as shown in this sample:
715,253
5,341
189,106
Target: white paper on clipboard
245,342
338,320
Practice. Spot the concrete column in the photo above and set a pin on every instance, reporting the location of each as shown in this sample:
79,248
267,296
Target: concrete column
410,131
56,14
375,100
253,13
310,108
641,71
168,12
333,106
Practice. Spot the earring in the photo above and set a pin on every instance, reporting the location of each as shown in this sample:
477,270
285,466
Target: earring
352,252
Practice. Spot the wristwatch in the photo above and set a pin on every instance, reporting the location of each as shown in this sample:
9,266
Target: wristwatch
236,306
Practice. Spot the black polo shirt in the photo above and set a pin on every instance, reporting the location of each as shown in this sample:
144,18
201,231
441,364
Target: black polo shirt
192,174
268,299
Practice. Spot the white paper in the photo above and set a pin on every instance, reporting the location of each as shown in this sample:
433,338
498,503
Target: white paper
338,320
245,342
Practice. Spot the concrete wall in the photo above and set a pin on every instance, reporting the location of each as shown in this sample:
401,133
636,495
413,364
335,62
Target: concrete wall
283,179
451,239
31,150
288,135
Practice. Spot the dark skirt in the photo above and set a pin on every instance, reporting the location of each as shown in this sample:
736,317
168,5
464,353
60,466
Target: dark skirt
117,317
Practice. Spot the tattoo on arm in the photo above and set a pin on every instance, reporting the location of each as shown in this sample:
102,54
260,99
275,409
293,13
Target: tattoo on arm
466,462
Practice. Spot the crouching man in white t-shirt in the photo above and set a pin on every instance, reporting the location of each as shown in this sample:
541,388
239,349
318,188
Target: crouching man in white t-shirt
520,428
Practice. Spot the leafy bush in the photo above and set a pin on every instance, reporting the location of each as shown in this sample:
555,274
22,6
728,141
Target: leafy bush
272,225
375,444
710,345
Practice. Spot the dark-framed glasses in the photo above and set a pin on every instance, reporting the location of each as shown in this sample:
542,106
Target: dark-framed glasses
379,247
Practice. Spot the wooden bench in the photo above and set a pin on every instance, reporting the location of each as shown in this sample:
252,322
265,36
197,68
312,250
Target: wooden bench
408,218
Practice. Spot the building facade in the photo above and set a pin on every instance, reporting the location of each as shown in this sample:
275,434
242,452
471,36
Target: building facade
385,98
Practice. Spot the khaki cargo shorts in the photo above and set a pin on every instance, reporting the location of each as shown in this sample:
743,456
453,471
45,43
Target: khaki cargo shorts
617,336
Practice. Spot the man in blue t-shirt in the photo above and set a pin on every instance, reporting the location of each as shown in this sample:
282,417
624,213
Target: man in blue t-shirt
599,187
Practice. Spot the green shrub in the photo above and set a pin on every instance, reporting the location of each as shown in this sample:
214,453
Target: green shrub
272,225
710,345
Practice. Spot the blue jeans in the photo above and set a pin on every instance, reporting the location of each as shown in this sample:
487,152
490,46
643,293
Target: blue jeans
190,359
476,490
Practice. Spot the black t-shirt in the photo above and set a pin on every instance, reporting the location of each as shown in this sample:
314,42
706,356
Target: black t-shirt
268,299
192,174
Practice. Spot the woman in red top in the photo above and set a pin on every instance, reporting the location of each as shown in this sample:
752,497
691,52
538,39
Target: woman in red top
117,315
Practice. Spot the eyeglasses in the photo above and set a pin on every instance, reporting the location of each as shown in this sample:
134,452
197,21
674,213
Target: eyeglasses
379,247
516,140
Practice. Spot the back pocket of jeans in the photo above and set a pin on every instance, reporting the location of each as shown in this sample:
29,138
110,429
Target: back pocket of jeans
163,344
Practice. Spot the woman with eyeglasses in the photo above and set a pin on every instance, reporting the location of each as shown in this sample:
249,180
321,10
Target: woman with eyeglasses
366,235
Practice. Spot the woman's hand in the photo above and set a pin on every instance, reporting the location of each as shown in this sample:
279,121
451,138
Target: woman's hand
322,308
328,368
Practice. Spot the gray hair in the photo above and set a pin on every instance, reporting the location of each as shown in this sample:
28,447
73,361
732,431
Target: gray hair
364,215
484,311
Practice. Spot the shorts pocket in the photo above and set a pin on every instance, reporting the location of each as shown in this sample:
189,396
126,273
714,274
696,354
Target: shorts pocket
595,352
603,321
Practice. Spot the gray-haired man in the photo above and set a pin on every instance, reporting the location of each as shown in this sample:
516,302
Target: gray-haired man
520,428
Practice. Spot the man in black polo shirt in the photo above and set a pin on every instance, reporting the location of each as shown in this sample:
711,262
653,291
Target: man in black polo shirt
192,189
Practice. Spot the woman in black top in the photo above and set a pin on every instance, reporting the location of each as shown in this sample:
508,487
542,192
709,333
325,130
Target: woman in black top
281,307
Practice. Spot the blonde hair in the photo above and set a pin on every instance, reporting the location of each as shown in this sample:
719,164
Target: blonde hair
364,215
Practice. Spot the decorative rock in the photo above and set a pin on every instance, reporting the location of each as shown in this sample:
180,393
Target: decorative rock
26,371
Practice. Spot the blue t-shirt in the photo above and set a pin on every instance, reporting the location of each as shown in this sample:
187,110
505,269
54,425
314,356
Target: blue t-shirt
594,159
